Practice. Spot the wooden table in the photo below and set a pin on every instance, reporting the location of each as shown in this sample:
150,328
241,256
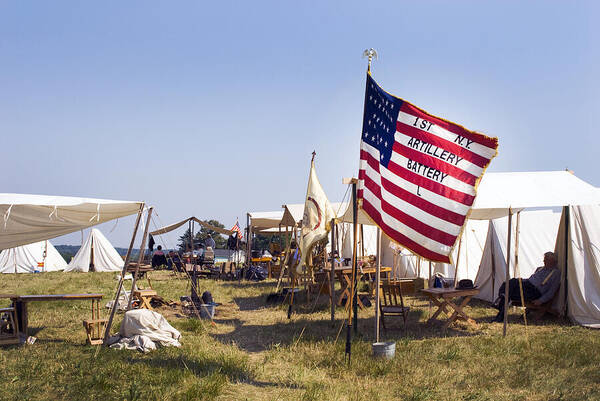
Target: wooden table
344,275
266,261
142,271
443,299
145,296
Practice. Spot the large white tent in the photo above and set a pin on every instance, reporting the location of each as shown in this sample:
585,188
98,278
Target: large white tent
96,254
31,218
581,279
37,257
537,235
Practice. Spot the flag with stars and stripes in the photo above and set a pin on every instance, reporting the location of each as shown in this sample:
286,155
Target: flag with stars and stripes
237,229
418,173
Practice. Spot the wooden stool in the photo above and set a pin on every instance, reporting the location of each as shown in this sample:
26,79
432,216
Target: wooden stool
11,335
145,296
94,329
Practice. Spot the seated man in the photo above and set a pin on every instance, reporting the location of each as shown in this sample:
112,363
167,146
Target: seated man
538,289
158,257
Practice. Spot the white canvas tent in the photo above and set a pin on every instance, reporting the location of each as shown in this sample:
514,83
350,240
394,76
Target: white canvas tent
537,235
32,218
581,280
40,256
96,254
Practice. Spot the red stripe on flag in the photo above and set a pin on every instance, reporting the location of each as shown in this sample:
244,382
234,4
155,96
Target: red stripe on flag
424,229
426,206
491,143
421,181
439,164
458,150
402,239
431,185
419,202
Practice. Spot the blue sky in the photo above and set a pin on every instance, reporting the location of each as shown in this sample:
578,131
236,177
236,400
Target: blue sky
213,108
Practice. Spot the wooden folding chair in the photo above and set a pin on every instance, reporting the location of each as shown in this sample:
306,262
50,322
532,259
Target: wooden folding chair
393,303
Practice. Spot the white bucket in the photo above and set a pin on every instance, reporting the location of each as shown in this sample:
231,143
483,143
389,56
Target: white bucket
384,350
207,311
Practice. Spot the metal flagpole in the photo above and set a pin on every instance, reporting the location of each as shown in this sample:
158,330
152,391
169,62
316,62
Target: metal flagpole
355,261
377,284
332,274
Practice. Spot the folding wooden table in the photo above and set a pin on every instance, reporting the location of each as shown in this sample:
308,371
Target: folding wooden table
443,299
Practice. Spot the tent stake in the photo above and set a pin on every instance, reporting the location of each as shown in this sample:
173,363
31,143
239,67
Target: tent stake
123,272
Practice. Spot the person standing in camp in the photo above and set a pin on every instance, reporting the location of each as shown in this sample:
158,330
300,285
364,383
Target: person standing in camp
209,241
538,289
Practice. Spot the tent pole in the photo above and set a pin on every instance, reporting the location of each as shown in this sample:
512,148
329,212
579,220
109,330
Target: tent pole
248,240
332,273
567,213
140,258
507,278
123,272
377,284
518,273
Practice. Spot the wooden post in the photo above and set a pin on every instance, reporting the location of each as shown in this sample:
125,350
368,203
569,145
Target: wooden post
377,284
457,261
518,273
140,258
123,272
348,350
507,278
332,273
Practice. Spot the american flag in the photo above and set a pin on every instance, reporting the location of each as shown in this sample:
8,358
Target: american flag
418,173
238,230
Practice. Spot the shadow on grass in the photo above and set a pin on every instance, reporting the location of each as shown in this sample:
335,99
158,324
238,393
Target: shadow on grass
258,338
236,369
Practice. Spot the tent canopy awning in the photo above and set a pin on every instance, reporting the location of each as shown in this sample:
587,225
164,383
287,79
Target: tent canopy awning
264,220
500,192
31,218
175,226
518,190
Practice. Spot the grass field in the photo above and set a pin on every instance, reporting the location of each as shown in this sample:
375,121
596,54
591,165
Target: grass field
252,351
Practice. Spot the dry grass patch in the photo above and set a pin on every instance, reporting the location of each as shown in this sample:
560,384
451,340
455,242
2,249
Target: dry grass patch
252,351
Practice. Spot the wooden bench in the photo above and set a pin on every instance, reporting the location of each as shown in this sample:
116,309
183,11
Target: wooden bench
21,314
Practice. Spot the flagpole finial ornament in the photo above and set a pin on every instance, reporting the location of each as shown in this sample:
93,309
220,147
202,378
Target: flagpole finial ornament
370,53
313,156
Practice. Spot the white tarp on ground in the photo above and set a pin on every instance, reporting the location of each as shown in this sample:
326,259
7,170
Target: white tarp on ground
583,266
31,218
41,256
105,256
142,329
537,235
